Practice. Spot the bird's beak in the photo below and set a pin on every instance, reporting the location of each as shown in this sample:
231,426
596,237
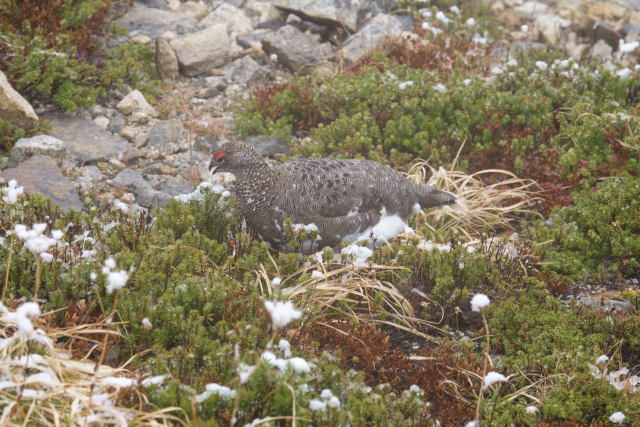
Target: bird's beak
213,166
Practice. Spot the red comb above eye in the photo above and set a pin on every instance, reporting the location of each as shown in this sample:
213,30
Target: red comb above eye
218,155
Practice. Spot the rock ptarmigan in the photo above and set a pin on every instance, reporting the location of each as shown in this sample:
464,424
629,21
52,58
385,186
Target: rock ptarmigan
346,200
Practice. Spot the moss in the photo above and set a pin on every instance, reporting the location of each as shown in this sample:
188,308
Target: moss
539,335
580,400
450,277
596,236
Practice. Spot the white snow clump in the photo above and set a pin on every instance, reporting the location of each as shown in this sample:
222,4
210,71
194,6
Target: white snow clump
282,313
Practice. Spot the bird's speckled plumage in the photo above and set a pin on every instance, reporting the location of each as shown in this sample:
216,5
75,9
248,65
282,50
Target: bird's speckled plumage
343,198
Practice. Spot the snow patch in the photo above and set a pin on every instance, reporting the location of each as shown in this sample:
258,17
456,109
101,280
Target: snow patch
627,47
199,192
479,301
118,382
282,313
359,254
305,227
617,418
493,378
223,391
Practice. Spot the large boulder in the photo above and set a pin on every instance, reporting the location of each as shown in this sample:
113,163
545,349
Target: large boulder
46,145
154,22
335,13
294,48
13,107
166,60
204,50
235,19
135,102
244,70
85,141
371,36
168,136
41,174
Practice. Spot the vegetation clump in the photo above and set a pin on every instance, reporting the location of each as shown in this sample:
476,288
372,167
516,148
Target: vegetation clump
598,235
53,51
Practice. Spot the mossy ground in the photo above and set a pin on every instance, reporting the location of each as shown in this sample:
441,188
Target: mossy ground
200,278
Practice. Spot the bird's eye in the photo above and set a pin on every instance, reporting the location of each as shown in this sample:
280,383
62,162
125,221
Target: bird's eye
219,156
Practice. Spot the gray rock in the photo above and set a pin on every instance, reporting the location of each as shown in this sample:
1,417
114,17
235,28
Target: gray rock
606,305
133,154
407,21
13,107
631,4
235,3
261,11
335,13
102,122
146,195
41,174
370,37
45,145
235,20
551,26
158,4
97,110
84,140
601,49
88,176
253,40
215,86
164,134
268,146
130,179
139,118
171,185
152,199
206,144
190,163
631,28
272,24
304,26
141,39
530,9
135,102
295,49
154,22
199,52
117,123
244,71
166,60
196,9
369,8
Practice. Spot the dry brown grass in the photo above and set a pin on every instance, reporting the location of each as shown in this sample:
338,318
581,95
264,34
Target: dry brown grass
44,385
347,291
480,206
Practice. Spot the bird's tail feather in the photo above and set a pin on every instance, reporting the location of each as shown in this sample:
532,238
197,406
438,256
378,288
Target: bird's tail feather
434,198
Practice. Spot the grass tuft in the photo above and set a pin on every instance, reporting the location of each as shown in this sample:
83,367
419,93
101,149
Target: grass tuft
481,207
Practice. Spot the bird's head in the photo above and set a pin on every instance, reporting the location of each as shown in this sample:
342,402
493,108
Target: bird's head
234,157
